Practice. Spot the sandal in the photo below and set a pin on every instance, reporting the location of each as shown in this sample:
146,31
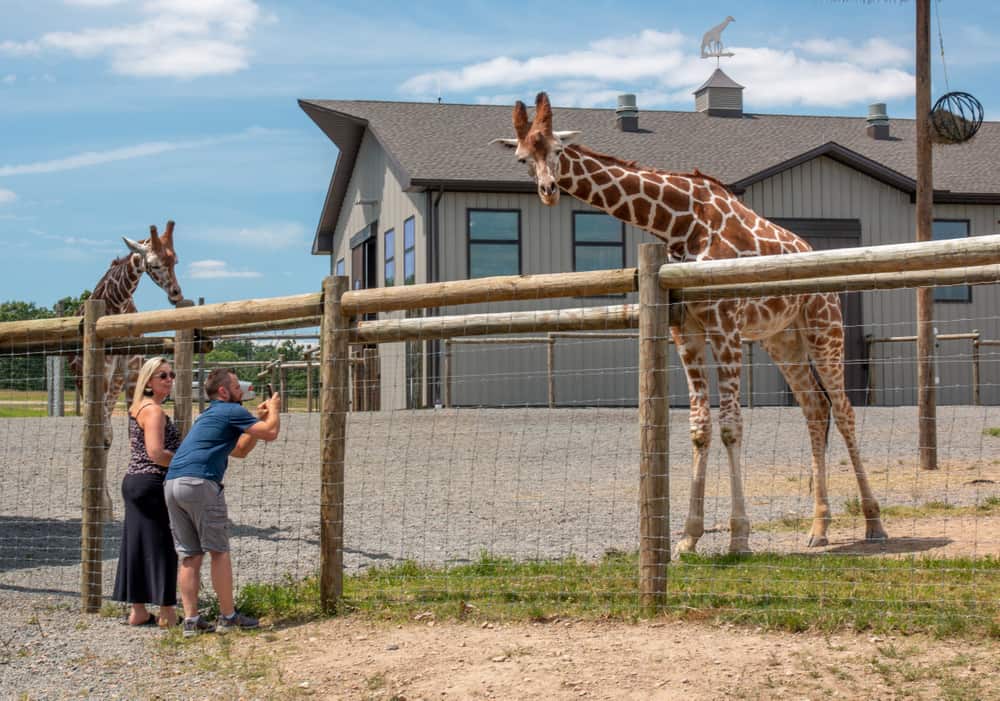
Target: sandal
151,621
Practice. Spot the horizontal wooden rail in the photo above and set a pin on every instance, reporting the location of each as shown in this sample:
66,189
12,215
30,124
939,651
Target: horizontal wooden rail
246,329
490,289
939,337
41,331
513,340
925,255
977,275
211,315
622,316
149,345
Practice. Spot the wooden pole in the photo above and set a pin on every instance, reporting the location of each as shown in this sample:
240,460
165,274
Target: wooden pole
94,460
621,316
446,372
975,369
183,366
870,359
333,441
201,370
551,368
490,289
654,475
926,391
309,383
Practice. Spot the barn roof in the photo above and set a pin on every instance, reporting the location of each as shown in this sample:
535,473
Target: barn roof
447,146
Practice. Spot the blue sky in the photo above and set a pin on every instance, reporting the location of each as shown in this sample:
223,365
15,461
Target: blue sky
118,114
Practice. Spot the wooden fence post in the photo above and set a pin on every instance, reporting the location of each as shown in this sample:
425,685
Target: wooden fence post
654,462
201,369
184,367
333,441
309,383
551,367
446,372
94,460
975,368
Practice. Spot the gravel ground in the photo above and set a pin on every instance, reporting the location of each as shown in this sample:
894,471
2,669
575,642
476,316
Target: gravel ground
436,486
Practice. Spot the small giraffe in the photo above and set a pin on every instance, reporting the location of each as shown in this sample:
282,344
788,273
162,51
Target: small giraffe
700,219
155,257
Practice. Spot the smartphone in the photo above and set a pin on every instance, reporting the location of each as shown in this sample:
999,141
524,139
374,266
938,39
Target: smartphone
269,390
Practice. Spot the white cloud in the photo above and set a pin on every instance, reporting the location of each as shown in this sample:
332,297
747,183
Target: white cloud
275,236
9,79
179,38
664,69
216,269
152,148
19,48
7,196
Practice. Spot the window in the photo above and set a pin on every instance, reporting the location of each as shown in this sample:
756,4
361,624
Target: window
409,252
598,242
951,229
494,242
340,269
390,258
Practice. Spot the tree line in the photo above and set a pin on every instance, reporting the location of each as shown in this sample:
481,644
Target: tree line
27,372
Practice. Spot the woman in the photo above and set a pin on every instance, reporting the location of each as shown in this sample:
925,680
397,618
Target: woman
147,565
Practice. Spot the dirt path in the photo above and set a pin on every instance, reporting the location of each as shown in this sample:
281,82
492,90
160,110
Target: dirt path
355,659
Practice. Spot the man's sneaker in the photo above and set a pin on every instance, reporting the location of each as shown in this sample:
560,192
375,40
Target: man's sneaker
237,620
197,626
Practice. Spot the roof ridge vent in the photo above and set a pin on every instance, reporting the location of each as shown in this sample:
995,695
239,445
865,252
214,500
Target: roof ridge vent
878,121
627,114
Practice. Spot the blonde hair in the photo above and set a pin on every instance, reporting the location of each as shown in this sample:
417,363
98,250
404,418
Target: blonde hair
145,374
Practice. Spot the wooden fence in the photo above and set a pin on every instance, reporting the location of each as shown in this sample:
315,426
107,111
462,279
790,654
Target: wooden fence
660,286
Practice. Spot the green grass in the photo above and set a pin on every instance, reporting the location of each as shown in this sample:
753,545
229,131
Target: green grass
944,597
995,432
989,506
20,411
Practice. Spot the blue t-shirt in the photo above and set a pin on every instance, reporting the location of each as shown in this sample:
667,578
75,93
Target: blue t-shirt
205,450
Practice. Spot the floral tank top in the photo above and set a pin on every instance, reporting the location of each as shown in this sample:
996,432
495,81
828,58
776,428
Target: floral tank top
139,461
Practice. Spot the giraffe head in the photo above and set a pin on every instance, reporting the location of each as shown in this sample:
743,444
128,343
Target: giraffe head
157,259
538,146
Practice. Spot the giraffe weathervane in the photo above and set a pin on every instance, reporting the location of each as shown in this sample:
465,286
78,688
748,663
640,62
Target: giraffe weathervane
711,42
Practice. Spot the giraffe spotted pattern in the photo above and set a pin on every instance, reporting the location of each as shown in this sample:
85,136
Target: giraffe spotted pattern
699,218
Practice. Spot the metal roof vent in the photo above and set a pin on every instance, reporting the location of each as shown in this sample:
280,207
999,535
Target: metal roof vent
627,114
878,121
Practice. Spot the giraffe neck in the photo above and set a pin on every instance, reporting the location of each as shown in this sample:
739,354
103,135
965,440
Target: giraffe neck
674,207
119,284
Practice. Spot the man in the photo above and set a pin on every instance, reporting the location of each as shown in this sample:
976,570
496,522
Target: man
195,495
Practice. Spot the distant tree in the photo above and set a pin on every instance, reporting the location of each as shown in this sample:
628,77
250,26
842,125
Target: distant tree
27,371
69,306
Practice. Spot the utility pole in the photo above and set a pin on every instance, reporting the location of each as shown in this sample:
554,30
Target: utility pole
926,390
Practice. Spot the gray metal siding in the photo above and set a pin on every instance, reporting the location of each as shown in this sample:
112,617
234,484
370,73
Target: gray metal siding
375,178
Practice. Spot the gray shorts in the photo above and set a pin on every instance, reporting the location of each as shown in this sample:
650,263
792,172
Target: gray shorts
199,518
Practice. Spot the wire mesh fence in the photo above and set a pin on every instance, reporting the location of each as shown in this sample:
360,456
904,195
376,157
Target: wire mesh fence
510,471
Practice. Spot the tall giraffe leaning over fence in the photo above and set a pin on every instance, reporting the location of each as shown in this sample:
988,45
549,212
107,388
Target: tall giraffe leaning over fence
700,219
156,258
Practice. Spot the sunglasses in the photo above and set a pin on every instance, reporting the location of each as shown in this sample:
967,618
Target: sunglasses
165,375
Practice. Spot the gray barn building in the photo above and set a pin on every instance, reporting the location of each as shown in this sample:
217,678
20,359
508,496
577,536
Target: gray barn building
418,195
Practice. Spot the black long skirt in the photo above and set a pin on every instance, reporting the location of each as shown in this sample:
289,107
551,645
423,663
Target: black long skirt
147,564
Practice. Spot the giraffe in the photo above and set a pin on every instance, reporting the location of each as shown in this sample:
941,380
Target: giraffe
155,257
700,219
712,40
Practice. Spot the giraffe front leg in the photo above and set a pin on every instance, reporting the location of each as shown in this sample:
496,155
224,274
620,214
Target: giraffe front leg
701,438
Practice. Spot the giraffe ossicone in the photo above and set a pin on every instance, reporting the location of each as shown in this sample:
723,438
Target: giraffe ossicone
699,218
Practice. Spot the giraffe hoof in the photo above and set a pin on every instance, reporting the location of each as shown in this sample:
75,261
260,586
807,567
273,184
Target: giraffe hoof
817,541
687,545
875,533
740,547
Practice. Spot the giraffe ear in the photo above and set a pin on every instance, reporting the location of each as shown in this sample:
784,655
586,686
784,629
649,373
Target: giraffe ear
505,143
135,246
567,137
543,113
521,125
